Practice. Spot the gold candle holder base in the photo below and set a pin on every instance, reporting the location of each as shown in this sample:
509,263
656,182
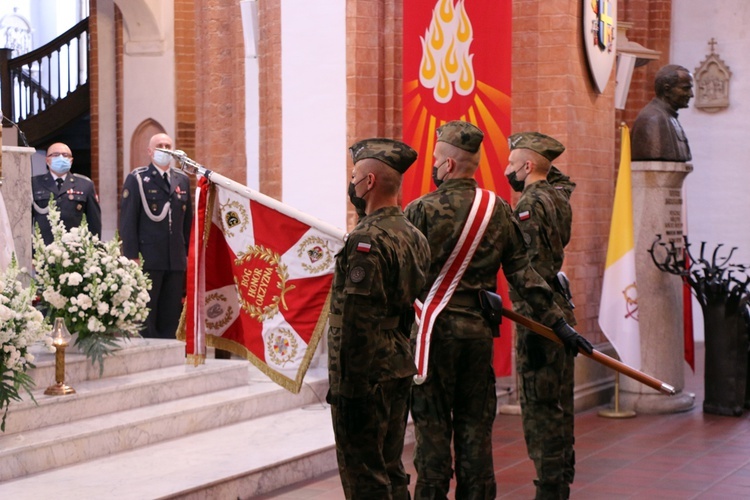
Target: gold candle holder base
59,390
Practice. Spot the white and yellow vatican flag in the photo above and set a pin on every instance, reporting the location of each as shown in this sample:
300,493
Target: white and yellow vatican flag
618,311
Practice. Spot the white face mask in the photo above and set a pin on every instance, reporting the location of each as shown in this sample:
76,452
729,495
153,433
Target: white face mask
161,158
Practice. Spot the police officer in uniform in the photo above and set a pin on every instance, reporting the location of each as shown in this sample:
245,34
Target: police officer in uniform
544,367
74,194
379,272
155,222
457,399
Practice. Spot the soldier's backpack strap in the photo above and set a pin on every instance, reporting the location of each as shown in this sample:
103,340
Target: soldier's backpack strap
146,210
450,276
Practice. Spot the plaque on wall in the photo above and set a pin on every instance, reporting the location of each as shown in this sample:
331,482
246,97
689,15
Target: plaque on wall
712,83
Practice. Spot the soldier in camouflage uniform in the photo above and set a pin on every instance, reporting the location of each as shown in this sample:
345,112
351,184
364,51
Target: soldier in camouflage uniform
544,367
457,399
379,274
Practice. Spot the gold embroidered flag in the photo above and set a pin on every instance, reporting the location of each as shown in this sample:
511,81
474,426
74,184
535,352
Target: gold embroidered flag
259,280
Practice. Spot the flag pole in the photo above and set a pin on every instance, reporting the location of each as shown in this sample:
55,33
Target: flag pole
195,168
602,358
616,412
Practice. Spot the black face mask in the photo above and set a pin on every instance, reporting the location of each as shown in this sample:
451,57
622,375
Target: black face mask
358,202
435,174
514,182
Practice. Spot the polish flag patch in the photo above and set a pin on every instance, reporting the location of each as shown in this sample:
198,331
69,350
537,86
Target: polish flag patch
524,215
363,247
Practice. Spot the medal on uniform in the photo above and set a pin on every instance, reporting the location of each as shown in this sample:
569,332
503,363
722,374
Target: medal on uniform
153,207
79,207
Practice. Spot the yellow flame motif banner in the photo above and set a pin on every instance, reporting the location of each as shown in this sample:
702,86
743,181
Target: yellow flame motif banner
457,66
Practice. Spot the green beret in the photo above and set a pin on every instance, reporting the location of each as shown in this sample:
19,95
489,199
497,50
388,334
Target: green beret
463,135
539,143
395,154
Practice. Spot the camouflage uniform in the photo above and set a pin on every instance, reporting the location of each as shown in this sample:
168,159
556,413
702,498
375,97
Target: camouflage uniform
458,399
544,367
378,275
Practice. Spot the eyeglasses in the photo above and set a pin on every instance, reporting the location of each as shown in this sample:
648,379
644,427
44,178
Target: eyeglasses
55,155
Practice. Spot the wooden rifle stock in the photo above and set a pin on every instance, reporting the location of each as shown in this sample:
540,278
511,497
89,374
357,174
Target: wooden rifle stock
602,358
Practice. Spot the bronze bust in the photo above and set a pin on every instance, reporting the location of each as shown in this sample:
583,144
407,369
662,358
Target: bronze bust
656,134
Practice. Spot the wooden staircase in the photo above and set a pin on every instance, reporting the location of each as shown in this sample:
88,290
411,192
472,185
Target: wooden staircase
46,90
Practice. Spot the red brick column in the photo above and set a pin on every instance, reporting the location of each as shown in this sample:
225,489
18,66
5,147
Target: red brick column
94,91
373,72
186,70
219,79
269,62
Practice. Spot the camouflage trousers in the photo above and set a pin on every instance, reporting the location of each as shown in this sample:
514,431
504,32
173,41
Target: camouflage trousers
547,413
369,434
457,400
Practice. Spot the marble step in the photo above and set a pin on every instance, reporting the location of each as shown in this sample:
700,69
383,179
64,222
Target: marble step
101,396
92,438
137,354
238,460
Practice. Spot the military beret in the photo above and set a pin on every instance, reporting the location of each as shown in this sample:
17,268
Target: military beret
395,154
463,135
539,143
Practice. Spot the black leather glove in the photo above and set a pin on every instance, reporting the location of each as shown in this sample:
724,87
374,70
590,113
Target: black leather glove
571,339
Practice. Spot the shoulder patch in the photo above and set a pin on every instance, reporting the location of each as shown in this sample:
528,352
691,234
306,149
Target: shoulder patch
357,274
525,215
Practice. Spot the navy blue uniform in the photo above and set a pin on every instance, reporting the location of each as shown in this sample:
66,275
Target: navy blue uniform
155,222
74,199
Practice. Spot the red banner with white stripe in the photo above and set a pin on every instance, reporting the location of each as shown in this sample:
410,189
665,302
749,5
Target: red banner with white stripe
457,66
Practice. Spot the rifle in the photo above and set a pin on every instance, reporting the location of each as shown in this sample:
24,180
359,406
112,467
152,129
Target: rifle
602,358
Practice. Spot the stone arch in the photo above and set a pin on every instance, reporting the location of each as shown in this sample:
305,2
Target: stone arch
139,142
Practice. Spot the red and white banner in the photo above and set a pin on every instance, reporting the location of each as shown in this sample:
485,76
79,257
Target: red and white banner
456,66
259,280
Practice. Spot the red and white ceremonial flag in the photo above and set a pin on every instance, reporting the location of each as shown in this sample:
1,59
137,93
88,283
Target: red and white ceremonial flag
259,280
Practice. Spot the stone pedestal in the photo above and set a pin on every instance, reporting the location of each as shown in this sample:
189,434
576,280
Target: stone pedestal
657,209
16,191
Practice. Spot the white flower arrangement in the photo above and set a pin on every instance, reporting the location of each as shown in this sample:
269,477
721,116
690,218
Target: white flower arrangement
101,294
21,326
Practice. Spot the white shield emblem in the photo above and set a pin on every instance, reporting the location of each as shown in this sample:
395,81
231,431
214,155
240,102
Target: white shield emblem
599,27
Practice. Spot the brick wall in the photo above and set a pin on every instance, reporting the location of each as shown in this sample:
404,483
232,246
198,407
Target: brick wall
552,92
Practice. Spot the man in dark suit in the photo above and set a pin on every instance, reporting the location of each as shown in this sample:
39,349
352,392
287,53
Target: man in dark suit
74,194
155,220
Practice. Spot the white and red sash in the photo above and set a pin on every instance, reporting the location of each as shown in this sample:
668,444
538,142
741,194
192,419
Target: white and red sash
450,276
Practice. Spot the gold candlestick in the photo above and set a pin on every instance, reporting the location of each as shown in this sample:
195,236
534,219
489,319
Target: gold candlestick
60,339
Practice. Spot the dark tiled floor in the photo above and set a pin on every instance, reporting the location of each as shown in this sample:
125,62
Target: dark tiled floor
682,456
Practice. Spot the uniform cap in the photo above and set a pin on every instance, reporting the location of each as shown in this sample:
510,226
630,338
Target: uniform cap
461,134
395,154
539,143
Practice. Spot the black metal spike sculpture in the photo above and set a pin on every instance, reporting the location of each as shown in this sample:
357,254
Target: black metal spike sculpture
722,291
